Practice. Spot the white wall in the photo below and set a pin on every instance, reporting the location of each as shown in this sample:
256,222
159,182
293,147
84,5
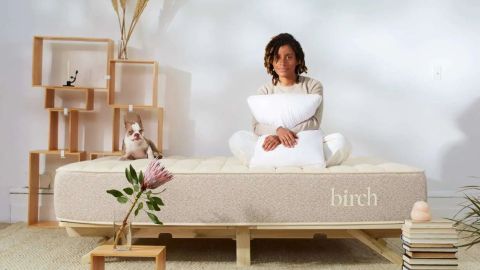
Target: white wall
376,60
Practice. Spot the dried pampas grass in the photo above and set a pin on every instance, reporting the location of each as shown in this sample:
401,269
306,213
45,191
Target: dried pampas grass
125,35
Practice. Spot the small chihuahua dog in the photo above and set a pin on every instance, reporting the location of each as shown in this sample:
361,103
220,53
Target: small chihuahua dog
135,145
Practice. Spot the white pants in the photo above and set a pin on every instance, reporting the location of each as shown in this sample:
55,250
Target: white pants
336,147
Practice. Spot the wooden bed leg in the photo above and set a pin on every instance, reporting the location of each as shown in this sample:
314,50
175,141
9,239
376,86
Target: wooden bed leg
243,246
378,246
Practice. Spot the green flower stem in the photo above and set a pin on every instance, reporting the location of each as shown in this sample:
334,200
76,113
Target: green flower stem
124,222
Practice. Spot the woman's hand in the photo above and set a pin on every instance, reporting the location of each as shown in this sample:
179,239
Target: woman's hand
287,137
271,142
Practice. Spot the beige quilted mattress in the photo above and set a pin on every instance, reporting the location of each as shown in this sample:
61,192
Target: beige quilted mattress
220,190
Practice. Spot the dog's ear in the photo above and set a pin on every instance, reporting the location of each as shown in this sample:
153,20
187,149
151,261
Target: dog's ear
131,118
127,123
139,121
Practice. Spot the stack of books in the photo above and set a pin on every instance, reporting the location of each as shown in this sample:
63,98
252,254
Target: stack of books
429,245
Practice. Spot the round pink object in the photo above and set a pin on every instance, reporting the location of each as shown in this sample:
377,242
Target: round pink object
420,211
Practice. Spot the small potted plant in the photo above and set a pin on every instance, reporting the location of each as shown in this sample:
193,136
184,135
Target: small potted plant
140,194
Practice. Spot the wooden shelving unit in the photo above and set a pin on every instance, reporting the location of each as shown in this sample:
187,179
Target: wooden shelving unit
72,129
117,123
50,97
117,107
111,88
71,149
37,58
34,179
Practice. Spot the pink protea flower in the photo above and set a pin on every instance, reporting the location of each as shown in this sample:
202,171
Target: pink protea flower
155,175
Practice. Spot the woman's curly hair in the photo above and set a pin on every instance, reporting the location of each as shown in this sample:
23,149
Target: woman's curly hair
271,51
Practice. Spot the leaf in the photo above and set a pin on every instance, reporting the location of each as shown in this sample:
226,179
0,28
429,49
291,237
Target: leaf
136,188
475,202
128,191
134,174
154,204
154,218
140,178
464,188
156,193
129,176
122,199
115,5
150,206
123,4
115,193
139,207
149,193
157,200
471,243
460,211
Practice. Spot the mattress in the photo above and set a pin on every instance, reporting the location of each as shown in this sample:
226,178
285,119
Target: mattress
220,190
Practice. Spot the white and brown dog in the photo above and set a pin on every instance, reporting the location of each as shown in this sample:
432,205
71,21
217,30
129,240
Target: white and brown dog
135,145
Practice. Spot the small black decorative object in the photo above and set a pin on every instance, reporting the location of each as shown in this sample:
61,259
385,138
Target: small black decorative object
73,79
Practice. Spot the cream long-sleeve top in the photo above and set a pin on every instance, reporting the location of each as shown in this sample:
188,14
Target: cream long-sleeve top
305,85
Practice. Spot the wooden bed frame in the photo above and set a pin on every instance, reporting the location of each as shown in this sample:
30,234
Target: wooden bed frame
369,233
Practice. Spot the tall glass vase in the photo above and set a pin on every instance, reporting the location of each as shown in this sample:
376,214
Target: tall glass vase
122,232
122,49
123,236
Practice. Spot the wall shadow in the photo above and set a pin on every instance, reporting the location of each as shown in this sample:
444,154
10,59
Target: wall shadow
168,13
461,163
179,129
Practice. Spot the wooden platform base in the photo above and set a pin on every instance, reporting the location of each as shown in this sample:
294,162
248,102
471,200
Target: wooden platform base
370,234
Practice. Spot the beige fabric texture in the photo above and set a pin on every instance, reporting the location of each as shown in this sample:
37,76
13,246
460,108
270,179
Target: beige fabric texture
221,190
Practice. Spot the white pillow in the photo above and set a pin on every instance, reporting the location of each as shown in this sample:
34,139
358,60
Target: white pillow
286,110
307,151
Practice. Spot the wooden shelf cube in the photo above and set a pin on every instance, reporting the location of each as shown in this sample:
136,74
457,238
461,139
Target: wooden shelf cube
51,90
95,155
111,88
72,129
34,180
117,123
37,57
50,97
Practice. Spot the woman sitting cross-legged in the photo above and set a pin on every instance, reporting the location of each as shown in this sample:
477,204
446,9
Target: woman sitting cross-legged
284,60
